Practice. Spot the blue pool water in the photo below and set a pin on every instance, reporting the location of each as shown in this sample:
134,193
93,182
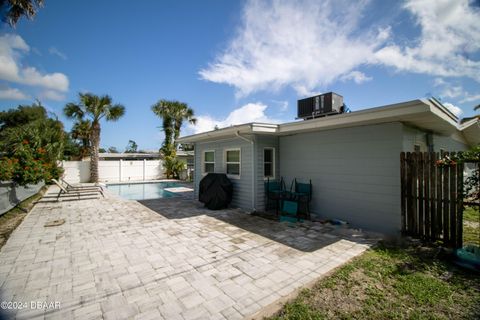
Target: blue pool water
143,191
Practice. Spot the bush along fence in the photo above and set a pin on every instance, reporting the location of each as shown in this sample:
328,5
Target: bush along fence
432,197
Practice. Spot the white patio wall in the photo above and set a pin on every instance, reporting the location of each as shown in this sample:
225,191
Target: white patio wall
114,170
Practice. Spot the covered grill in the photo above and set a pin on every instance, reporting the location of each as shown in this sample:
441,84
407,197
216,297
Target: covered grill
215,191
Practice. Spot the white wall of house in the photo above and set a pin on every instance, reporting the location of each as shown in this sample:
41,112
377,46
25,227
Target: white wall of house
114,170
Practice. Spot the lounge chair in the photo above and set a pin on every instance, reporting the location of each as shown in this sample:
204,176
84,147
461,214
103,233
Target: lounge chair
78,193
69,186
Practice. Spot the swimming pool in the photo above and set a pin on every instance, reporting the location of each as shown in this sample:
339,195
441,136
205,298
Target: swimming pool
143,191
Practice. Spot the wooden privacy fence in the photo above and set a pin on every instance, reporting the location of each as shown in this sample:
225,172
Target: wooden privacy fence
432,198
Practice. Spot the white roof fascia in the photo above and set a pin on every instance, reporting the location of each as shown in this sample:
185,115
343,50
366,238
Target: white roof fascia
216,134
388,113
264,128
439,110
471,131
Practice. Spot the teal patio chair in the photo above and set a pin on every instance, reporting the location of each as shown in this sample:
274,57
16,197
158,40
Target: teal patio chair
289,211
274,192
302,194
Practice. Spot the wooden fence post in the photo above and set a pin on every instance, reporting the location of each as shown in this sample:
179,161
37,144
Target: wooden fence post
459,241
420,199
453,204
446,207
426,193
433,177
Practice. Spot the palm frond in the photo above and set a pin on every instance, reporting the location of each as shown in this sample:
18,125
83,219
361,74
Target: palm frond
115,112
73,111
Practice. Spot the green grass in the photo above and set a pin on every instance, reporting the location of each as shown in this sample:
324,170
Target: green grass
471,214
471,228
391,283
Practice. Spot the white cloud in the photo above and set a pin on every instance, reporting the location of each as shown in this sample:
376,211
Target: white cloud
12,94
450,34
309,44
52,95
251,112
58,53
438,82
471,98
305,45
453,108
357,76
454,91
12,48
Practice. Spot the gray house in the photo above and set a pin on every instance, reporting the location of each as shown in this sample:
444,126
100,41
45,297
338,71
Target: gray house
353,159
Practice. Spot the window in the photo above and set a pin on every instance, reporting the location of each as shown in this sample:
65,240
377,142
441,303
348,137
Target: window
416,148
208,161
269,163
233,162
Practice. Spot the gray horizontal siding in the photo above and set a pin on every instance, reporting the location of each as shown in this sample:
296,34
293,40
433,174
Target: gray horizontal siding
355,173
414,136
242,188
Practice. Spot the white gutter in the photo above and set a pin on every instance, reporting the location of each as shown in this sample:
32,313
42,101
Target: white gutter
237,133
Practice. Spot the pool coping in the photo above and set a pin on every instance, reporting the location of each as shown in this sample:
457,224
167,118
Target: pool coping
175,194
144,181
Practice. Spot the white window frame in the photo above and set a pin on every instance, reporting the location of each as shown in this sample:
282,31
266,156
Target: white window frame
205,162
273,163
234,176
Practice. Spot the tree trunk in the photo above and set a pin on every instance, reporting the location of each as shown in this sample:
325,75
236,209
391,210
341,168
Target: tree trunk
94,152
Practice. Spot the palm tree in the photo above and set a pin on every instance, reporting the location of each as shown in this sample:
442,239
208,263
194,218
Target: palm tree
13,10
173,113
477,107
163,110
96,108
181,113
81,130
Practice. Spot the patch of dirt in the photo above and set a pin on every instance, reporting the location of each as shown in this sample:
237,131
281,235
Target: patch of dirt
8,223
54,223
345,296
471,224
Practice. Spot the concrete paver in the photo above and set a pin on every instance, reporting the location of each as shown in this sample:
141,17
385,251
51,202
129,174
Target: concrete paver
165,258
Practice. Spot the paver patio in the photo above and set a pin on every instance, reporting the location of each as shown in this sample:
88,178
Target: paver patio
118,259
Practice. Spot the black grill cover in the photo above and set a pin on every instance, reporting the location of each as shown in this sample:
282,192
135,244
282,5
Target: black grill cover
215,191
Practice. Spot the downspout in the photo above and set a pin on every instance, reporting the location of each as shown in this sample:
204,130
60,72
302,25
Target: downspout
237,133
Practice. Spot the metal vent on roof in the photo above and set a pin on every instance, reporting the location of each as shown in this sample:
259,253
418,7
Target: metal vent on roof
322,105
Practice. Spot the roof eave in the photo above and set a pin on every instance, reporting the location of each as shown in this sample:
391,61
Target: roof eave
247,128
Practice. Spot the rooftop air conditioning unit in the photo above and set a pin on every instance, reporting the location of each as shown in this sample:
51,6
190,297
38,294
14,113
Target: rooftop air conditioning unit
318,106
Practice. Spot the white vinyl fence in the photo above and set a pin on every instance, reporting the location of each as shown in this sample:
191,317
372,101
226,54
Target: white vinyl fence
114,170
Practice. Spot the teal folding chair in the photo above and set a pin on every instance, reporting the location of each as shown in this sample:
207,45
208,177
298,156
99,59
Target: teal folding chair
289,211
302,194
274,191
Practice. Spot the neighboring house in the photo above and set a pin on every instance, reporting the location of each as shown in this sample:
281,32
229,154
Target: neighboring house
188,158
129,156
353,159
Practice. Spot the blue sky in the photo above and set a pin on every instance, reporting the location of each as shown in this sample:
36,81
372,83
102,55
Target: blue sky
239,61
